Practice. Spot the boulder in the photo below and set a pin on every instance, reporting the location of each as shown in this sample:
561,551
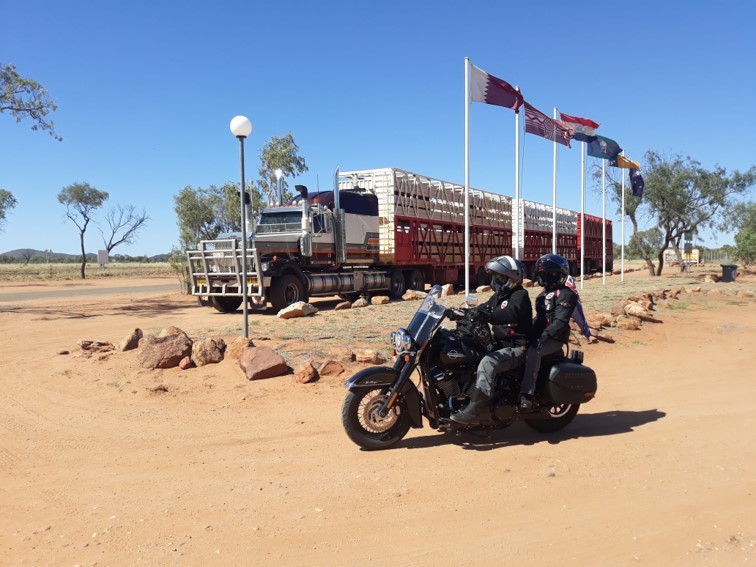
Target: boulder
171,330
186,363
298,309
130,341
90,347
305,373
208,351
412,294
711,278
262,362
447,290
628,323
331,368
635,309
342,305
361,302
380,300
694,289
236,347
164,352
369,356
483,288
745,293
528,283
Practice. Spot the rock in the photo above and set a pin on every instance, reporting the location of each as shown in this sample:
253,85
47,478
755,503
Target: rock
262,362
236,347
171,330
528,283
694,289
674,293
361,302
306,373
346,356
628,323
95,346
342,305
447,290
64,352
380,300
186,363
716,291
711,278
483,288
208,351
130,341
368,356
635,309
164,352
298,309
745,293
331,368
412,294
599,320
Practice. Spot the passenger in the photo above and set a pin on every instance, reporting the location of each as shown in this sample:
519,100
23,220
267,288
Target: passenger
551,326
510,312
578,316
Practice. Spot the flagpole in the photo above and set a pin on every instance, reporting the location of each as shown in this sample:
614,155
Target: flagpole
516,233
467,176
603,220
622,261
553,212
582,213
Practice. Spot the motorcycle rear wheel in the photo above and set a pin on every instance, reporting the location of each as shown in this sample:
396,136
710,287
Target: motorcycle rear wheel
560,417
363,424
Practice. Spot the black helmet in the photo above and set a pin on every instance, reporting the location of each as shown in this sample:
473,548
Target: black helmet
552,270
505,272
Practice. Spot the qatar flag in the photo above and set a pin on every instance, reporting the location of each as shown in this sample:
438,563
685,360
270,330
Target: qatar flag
584,129
492,90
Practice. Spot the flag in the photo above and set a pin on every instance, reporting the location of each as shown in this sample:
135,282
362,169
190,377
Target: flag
492,90
636,181
582,129
603,148
536,122
622,161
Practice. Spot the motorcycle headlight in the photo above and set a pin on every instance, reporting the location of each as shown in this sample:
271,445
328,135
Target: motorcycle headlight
402,341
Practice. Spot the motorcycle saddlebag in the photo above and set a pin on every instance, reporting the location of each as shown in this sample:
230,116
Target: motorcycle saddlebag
571,383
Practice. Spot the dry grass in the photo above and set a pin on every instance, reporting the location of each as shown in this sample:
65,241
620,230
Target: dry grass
53,272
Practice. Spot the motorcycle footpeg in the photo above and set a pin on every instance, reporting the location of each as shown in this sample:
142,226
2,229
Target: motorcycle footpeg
445,424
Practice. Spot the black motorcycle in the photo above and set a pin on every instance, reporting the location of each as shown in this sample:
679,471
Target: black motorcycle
383,402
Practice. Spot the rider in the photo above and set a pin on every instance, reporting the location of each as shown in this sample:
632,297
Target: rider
551,326
509,311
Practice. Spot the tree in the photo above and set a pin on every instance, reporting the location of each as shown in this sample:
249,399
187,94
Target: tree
25,98
680,196
279,152
123,225
81,200
744,220
7,202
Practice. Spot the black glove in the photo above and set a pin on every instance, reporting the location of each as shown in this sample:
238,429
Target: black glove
452,315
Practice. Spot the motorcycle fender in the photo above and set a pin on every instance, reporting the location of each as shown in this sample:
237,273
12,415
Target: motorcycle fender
377,376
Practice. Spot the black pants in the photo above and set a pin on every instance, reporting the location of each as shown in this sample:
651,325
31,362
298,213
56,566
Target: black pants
533,363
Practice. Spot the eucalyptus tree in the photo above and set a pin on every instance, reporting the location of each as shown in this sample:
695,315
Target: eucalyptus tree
81,200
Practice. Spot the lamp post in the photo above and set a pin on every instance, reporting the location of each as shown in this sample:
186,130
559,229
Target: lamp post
241,127
279,174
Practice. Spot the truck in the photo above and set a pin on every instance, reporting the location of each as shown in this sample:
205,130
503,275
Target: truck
378,230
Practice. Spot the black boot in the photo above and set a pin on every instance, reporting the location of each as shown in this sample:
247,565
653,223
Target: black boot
471,414
526,401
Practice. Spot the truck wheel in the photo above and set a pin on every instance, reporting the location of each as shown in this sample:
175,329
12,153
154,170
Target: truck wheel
413,279
286,290
225,304
396,285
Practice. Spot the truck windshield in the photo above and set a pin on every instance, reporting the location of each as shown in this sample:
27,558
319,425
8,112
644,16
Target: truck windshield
280,221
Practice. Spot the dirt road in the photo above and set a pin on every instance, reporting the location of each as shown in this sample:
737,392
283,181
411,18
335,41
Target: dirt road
102,462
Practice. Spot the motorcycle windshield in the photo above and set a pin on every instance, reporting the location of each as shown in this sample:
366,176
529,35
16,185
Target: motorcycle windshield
427,317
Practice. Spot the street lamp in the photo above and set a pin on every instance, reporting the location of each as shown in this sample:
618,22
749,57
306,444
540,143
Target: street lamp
279,174
241,127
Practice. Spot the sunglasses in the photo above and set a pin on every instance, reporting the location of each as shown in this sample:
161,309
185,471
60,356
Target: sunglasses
498,277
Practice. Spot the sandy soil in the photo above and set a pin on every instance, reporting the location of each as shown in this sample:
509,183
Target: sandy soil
102,462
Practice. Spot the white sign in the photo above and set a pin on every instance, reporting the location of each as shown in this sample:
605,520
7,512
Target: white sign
102,257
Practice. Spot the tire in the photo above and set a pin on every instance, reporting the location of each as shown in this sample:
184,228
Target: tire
363,425
561,416
396,285
225,304
286,290
414,279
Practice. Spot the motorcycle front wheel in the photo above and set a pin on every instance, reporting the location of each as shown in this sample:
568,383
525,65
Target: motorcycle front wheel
365,426
560,415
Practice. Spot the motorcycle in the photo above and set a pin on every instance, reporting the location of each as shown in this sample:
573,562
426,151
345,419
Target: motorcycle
382,402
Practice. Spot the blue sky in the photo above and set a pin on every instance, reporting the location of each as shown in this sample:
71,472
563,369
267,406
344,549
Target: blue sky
146,90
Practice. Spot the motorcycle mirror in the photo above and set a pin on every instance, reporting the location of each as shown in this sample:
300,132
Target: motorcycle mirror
471,301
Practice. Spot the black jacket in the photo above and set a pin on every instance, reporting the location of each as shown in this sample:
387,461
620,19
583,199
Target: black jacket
553,312
509,312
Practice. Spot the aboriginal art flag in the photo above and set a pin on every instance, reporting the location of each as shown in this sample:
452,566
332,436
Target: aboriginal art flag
492,90
582,129
536,122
